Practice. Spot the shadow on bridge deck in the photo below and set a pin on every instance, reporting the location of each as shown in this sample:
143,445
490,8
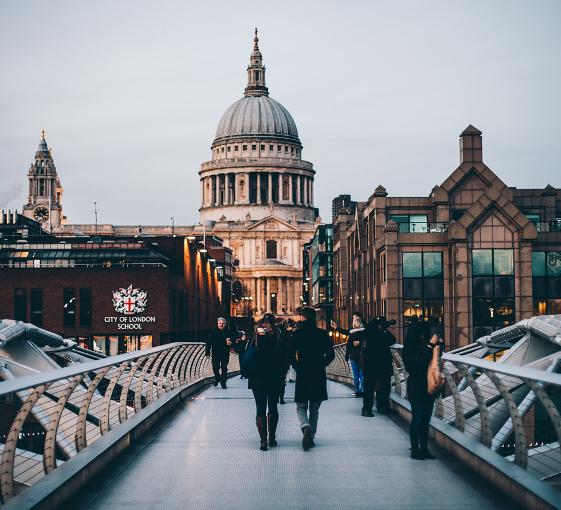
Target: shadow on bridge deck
205,456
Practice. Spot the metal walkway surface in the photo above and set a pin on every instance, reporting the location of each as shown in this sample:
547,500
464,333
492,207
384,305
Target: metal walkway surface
205,456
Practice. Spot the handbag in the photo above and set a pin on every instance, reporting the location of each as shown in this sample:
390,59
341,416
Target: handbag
435,379
248,364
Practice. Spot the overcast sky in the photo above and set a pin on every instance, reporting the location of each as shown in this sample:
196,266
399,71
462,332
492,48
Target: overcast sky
130,94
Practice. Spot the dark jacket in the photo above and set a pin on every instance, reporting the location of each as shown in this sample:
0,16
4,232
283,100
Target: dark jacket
417,357
353,352
216,343
376,353
312,351
270,360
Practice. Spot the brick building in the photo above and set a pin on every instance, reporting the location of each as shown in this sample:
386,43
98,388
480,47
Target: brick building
115,295
474,256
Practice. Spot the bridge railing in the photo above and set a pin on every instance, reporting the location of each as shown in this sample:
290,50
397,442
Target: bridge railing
48,418
513,411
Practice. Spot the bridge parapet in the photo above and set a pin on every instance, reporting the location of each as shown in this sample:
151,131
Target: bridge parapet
50,417
501,402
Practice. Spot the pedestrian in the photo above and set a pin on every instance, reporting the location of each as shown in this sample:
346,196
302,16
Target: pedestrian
377,366
354,348
218,345
241,344
265,382
418,351
312,351
285,339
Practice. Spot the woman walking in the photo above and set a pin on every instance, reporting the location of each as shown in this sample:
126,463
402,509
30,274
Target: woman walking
266,380
353,349
418,352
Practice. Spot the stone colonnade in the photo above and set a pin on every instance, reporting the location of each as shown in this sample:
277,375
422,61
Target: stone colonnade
257,188
277,294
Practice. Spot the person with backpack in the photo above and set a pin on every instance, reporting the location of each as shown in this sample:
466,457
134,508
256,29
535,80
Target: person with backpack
265,377
312,351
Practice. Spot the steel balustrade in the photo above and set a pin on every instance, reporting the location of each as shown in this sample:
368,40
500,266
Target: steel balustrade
47,418
514,411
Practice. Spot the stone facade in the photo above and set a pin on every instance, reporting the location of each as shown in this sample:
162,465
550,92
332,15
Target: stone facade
468,258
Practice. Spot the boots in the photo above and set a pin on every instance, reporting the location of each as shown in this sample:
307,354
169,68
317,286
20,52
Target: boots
262,428
307,438
272,421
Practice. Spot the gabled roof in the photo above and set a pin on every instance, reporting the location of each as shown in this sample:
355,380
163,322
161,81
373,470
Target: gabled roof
271,223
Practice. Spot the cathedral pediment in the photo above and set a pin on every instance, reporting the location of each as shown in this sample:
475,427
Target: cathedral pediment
270,224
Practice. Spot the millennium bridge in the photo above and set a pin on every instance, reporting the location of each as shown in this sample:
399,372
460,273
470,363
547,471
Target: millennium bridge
147,429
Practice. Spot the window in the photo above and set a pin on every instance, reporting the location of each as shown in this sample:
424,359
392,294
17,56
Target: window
222,149
457,213
235,148
262,147
244,147
546,282
423,288
37,307
85,307
254,147
492,290
286,149
271,147
271,249
256,74
411,222
279,148
20,305
229,148
69,307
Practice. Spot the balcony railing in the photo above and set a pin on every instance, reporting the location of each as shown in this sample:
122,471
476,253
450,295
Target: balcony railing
549,226
423,227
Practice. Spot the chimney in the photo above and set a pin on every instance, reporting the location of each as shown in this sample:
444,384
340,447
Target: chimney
471,148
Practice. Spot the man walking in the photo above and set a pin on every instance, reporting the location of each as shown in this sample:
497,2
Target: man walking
312,350
218,344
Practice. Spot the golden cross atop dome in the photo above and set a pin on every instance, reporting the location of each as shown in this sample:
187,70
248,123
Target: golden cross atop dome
42,134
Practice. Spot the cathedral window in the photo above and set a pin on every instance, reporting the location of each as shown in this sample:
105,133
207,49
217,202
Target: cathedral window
279,148
254,147
229,148
286,149
271,147
271,249
235,148
292,150
244,147
222,149
262,147
257,75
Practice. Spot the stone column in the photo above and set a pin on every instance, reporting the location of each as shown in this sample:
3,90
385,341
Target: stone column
280,295
258,187
290,189
305,201
216,190
226,189
311,191
298,197
280,188
270,195
268,292
258,295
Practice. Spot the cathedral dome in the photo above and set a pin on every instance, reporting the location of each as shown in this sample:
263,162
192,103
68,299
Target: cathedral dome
257,116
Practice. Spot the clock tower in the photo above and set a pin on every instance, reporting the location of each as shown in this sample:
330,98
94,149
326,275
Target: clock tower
44,202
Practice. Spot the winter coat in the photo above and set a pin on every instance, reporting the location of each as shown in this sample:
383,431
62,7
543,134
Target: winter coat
417,358
216,344
312,351
376,353
353,352
270,355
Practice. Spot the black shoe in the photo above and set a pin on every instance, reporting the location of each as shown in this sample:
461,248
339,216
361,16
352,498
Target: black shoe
281,401
223,386
307,439
215,384
312,444
416,454
425,454
368,414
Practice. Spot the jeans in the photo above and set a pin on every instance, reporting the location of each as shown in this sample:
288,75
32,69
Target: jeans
220,365
421,412
357,376
311,420
264,399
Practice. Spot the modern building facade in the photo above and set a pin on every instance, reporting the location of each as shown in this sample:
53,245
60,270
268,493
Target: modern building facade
317,285
111,295
474,256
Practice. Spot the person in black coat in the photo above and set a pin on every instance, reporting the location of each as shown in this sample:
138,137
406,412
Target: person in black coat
285,337
377,366
266,381
241,344
312,351
353,350
417,355
218,345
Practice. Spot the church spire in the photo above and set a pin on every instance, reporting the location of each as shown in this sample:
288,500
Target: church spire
42,143
256,72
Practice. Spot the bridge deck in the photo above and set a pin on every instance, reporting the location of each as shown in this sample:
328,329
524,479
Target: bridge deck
206,456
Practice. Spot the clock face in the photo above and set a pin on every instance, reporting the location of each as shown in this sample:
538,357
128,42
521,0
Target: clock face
41,214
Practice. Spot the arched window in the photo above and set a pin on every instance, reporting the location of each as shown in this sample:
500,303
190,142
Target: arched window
271,249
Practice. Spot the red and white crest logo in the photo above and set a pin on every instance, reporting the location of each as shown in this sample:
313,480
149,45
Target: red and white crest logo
130,301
